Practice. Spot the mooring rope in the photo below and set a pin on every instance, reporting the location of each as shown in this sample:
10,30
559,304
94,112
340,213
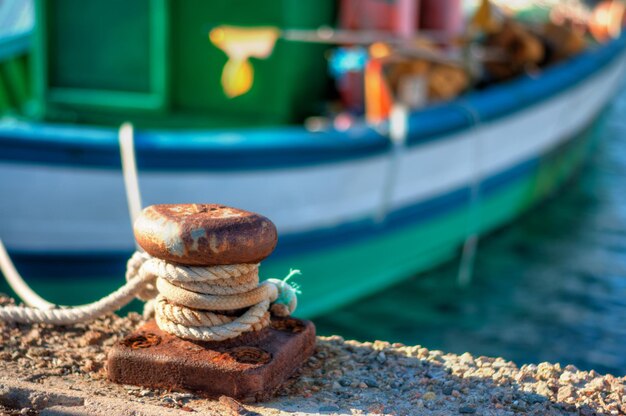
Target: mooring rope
191,302
18,284
197,302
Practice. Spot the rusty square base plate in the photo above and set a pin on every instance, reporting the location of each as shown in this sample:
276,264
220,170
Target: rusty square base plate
250,367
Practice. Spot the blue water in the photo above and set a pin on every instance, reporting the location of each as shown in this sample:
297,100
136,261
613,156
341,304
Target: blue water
551,287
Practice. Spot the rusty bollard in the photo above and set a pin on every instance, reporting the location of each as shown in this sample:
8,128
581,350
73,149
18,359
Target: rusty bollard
249,367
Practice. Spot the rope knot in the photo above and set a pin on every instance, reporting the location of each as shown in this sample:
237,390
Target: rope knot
286,295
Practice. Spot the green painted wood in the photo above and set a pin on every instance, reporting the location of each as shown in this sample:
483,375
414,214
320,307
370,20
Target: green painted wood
107,61
104,55
14,84
278,93
14,74
5,102
38,68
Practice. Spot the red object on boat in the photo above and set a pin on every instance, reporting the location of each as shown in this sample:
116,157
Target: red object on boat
368,15
350,87
403,18
400,17
443,16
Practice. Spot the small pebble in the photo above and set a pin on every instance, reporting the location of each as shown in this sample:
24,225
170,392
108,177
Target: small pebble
345,382
535,398
428,396
145,393
370,382
396,384
467,410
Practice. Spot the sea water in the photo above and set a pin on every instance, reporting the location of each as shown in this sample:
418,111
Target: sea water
550,287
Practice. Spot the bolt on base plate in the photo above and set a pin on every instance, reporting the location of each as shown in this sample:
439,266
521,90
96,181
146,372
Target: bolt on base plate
249,367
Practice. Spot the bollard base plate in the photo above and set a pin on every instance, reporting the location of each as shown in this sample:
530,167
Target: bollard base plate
250,367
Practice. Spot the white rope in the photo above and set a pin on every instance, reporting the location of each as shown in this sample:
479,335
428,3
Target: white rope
207,313
129,170
77,314
472,236
398,134
18,284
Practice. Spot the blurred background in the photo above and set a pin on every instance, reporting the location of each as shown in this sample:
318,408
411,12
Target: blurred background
444,173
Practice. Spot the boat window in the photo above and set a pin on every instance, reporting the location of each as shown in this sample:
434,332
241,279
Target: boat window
105,53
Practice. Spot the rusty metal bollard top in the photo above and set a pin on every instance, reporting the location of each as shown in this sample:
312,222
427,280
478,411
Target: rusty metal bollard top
205,234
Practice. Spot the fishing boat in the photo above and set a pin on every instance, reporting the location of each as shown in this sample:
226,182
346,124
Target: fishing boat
358,207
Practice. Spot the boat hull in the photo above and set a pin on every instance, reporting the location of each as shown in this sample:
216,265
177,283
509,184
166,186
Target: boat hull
353,223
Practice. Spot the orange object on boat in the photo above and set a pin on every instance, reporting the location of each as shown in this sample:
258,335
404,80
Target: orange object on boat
378,96
607,20
485,19
240,44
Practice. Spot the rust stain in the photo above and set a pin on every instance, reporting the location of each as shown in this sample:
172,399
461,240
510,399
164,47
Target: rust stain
249,355
146,340
250,367
291,325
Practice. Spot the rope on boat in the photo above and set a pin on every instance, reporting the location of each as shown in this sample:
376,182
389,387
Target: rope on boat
398,132
196,303
126,138
470,245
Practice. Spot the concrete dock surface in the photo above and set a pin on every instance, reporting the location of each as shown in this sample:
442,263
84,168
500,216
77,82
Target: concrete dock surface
47,370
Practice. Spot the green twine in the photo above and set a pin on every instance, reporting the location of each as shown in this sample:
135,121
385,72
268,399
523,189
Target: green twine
295,286
287,291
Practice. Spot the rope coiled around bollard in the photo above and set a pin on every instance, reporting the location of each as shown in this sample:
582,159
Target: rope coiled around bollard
196,303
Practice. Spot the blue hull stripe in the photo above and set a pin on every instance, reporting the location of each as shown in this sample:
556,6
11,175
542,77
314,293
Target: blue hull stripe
272,148
55,263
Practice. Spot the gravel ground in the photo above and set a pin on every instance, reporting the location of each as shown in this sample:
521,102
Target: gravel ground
44,369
